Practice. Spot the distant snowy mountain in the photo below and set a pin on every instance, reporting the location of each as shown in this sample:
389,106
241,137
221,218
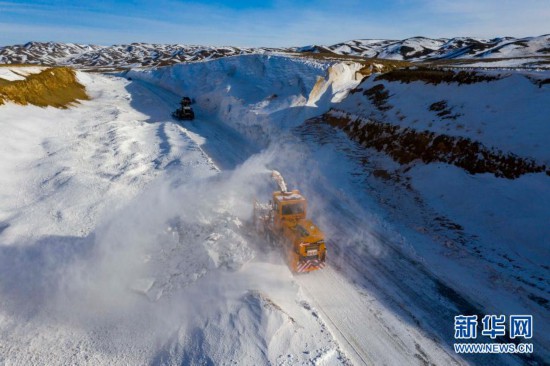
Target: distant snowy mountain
134,54
49,53
146,54
420,48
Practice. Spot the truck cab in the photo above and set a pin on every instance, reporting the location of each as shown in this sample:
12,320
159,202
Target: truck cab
288,207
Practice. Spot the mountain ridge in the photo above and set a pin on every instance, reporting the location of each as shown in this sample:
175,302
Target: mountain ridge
412,49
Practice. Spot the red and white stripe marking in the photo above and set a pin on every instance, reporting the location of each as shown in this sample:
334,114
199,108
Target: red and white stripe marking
309,265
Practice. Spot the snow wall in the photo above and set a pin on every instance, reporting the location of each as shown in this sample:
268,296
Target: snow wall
258,94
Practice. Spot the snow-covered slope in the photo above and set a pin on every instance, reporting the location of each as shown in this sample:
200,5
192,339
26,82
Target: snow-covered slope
503,109
497,123
18,73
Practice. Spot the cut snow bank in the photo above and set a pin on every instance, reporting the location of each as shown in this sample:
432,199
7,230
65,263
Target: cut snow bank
257,94
509,113
341,78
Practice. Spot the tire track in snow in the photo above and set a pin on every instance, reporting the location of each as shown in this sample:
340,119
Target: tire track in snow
221,144
365,330
353,350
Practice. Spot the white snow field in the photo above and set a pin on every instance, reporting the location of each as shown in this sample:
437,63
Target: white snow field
125,237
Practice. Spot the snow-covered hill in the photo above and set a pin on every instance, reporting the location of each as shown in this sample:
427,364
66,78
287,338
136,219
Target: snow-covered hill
421,48
145,54
134,54
50,53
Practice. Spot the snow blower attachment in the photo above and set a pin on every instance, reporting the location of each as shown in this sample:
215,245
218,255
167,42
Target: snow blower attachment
283,221
184,112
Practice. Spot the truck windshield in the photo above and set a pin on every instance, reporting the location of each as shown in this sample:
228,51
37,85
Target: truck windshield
293,209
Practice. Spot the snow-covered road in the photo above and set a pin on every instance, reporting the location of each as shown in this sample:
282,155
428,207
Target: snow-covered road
219,141
365,329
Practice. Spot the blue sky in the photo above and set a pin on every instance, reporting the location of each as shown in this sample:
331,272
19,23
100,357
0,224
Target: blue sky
265,23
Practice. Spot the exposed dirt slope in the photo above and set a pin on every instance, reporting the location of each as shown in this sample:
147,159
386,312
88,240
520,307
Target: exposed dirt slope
405,145
57,87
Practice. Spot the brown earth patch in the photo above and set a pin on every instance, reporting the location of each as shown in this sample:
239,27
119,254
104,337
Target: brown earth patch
435,76
57,87
443,110
406,145
379,96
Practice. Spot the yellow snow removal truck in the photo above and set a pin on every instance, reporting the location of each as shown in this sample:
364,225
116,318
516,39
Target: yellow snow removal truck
283,221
